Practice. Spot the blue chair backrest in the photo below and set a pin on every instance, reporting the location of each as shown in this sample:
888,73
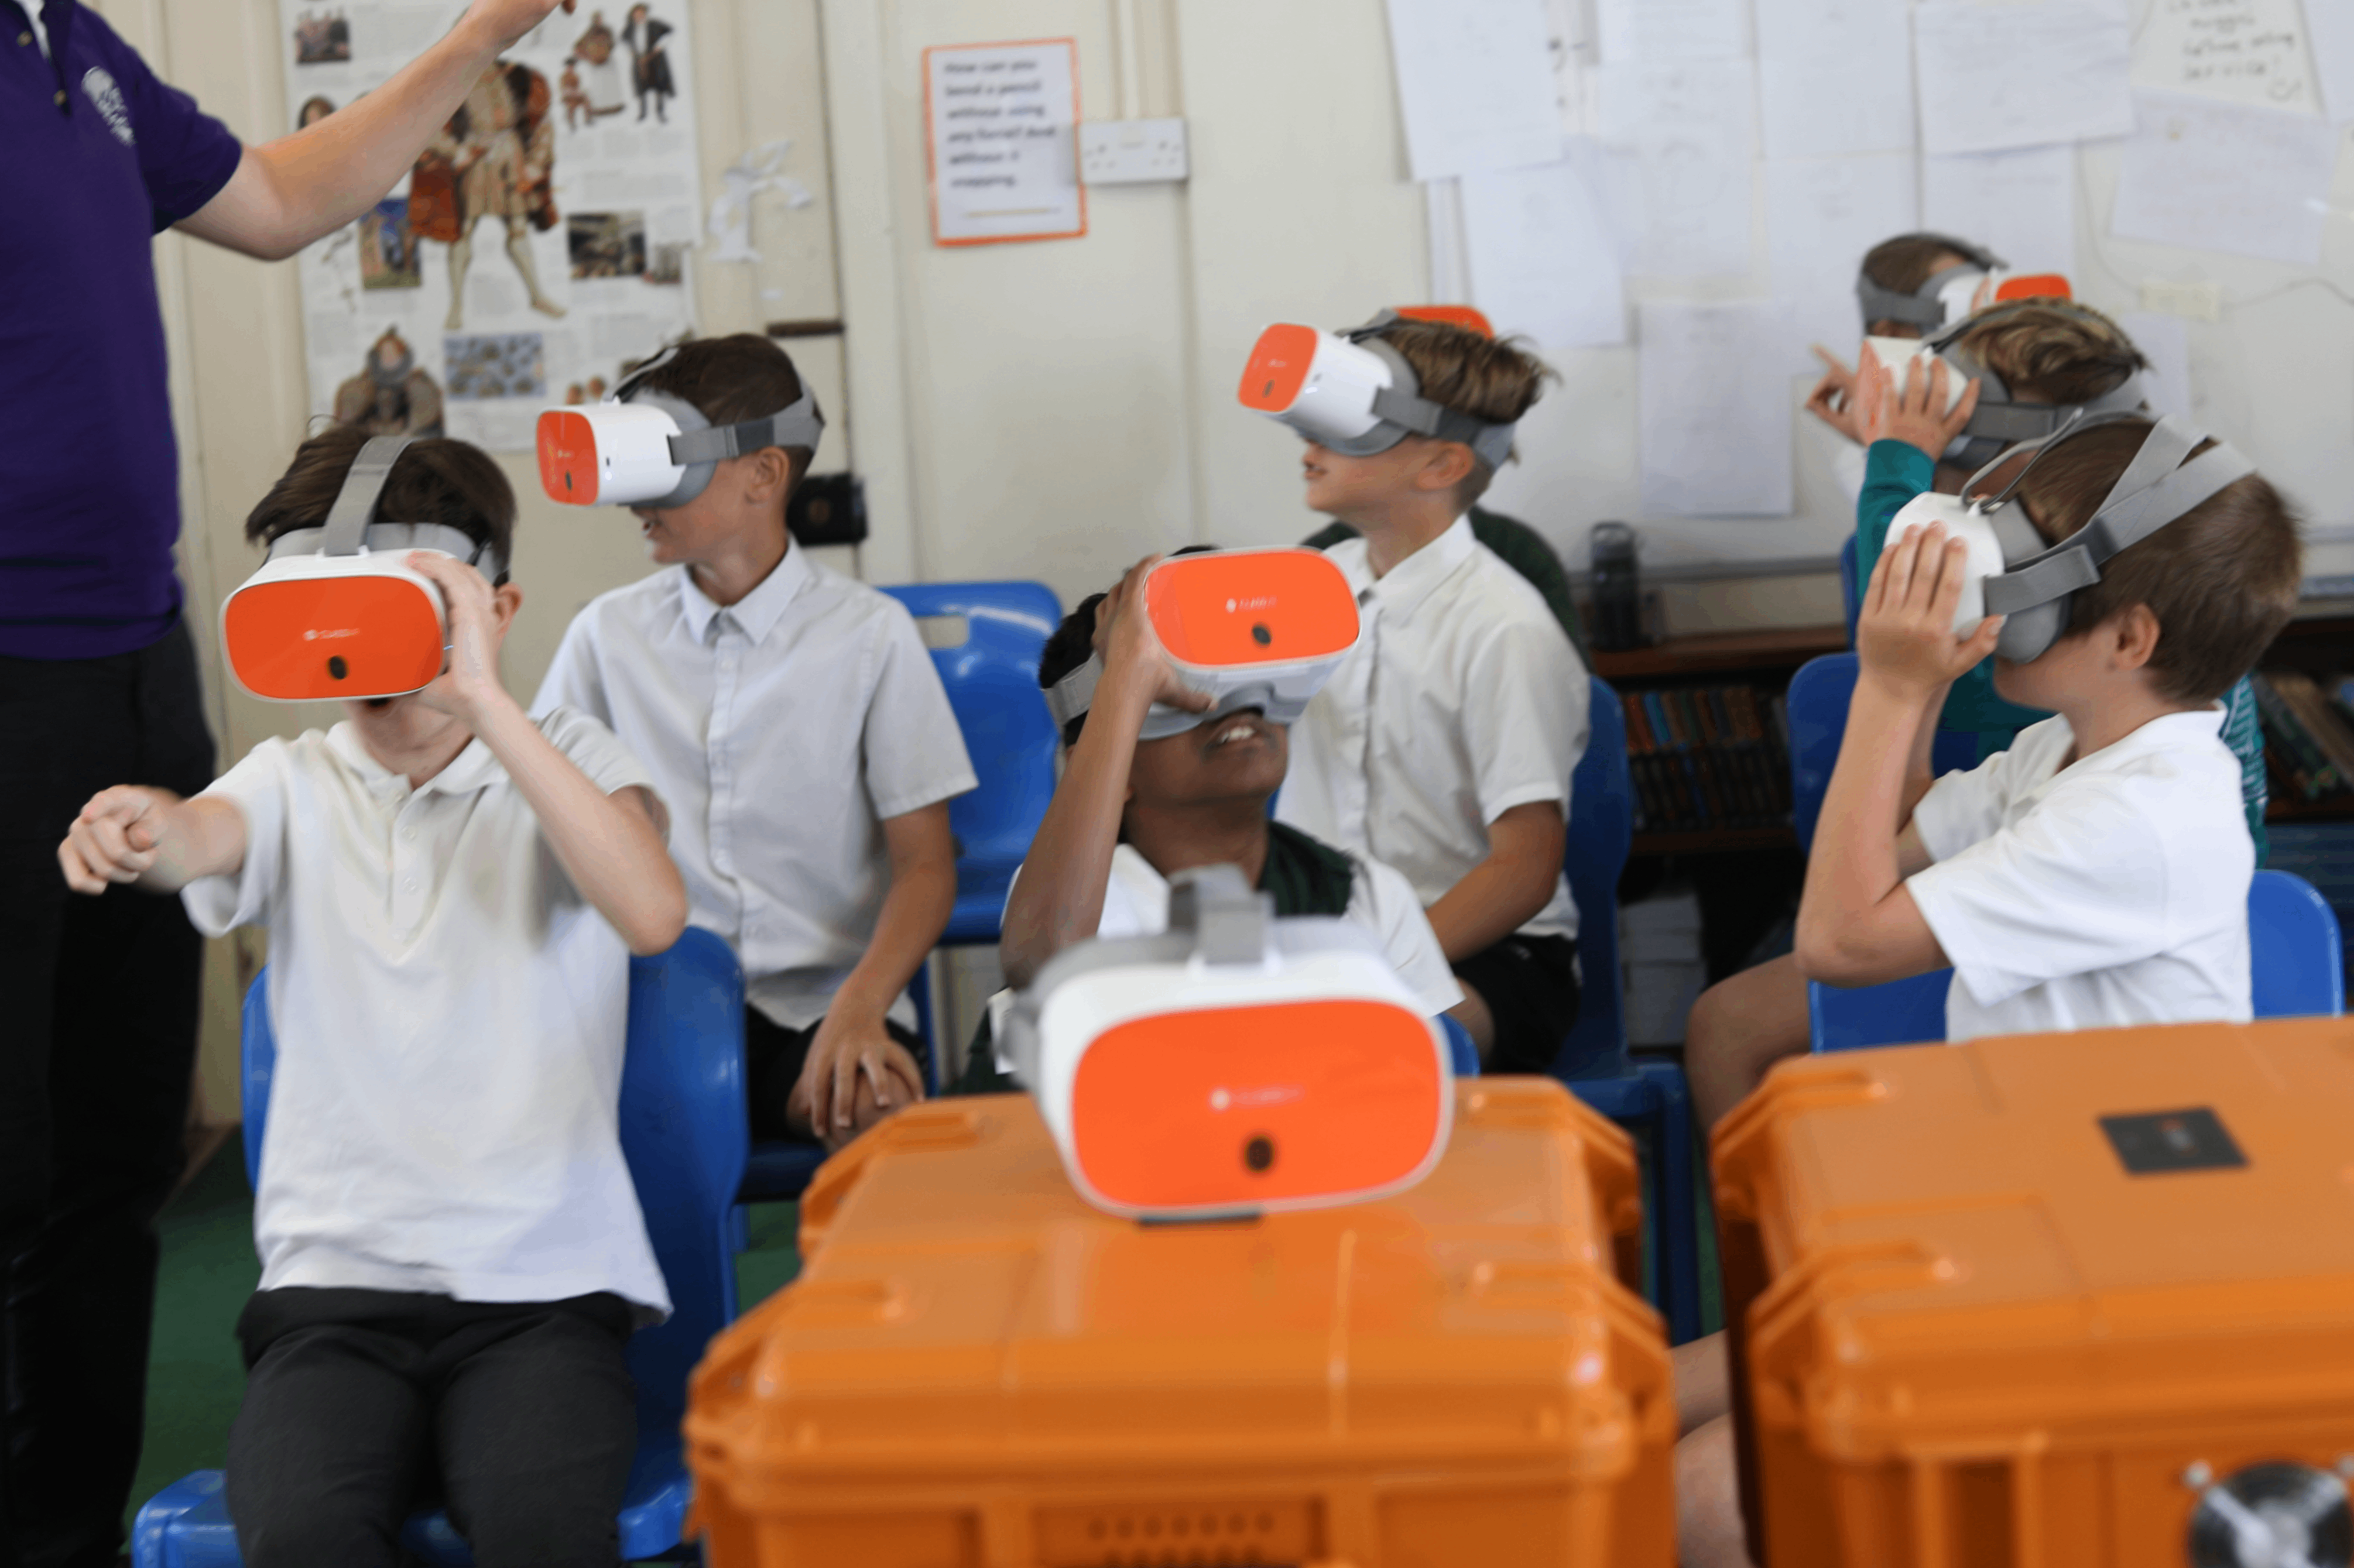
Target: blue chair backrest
1601,832
993,684
683,1131
2295,969
1818,704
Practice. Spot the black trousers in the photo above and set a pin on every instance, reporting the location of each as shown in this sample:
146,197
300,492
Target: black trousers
95,1056
361,1404
1529,984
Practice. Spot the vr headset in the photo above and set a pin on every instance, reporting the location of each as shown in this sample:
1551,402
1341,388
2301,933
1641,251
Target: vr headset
1951,294
1998,423
1254,629
644,448
336,610
1354,393
1237,1064
2011,571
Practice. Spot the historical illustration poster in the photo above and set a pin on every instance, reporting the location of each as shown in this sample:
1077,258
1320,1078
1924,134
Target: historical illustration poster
538,245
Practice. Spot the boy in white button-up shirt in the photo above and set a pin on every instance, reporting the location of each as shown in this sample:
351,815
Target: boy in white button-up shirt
1443,743
453,1254
793,720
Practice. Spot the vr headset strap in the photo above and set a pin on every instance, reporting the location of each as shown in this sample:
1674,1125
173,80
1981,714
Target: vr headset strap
799,425
355,507
1402,405
1922,308
1072,695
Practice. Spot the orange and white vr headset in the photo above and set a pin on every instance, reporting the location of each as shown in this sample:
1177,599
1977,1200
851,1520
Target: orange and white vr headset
336,611
1254,629
1235,1065
1952,294
1355,394
644,448
2012,572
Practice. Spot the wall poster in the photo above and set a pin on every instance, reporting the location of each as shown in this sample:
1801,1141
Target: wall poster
538,243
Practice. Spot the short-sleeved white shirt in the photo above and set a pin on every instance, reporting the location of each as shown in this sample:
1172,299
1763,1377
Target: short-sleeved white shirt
781,730
1462,699
450,1015
2113,891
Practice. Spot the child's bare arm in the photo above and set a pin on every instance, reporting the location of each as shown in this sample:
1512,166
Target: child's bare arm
1505,891
152,839
609,845
1058,899
1857,922
852,1045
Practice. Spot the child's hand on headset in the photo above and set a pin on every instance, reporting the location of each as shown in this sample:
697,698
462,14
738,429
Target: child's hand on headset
1917,416
478,615
1905,638
1131,649
1833,400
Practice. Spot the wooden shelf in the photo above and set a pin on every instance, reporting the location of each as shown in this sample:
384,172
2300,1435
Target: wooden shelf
2337,809
1779,649
1716,841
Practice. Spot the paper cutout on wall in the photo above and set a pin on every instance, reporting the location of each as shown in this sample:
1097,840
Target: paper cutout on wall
1542,261
1475,85
2020,205
2248,51
1821,215
1715,438
1834,76
1999,76
1680,138
761,169
2216,176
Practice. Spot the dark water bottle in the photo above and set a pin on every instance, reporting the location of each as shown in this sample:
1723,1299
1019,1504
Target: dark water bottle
1618,588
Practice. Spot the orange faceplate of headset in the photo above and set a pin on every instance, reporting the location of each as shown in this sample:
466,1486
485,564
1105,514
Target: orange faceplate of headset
1278,367
1463,316
1250,1106
310,638
1235,609
567,457
2034,286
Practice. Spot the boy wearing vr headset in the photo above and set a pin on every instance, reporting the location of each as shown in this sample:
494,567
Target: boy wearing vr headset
791,715
453,1253
1158,778
1445,742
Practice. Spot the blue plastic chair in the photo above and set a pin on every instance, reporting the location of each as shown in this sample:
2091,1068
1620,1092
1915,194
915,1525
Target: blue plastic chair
1816,705
682,1126
2295,969
1649,1095
993,685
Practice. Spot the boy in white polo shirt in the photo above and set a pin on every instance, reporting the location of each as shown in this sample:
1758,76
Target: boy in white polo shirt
453,1254
1443,743
2096,873
793,720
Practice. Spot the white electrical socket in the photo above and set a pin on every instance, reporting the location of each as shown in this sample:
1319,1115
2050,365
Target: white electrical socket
2200,302
1131,152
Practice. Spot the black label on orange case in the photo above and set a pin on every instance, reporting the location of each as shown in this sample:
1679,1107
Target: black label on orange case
2157,1142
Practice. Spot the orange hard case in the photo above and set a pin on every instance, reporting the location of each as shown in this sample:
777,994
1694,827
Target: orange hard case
977,1369
1968,1333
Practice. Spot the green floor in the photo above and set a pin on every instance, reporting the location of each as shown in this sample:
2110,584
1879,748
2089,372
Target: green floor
194,1376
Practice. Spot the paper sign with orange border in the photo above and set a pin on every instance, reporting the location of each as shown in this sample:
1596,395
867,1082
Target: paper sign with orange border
988,141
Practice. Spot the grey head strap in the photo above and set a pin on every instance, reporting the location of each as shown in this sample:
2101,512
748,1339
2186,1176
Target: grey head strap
1922,308
1401,403
700,444
352,523
2156,488
1999,419
1071,697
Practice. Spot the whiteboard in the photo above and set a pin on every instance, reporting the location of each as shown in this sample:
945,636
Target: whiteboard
2273,372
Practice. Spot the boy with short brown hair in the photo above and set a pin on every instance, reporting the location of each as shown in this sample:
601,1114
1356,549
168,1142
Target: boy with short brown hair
1443,743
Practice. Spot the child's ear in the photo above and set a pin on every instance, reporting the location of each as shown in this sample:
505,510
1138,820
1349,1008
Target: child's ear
2134,631
1447,465
505,599
769,473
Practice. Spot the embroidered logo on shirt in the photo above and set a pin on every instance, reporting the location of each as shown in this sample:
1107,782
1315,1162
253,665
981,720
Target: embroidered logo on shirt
100,88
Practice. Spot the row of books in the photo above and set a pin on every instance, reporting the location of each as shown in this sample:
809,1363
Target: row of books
2308,737
1707,757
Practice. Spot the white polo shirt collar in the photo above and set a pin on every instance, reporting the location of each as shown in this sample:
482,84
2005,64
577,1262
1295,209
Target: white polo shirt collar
758,612
1415,579
472,768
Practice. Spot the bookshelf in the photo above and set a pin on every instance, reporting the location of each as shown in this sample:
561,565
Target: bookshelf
2318,645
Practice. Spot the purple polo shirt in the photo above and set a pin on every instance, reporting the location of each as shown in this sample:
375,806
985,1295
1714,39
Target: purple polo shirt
99,156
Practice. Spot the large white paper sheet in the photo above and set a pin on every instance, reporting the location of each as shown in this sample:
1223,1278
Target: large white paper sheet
2217,176
1821,215
1635,30
1542,261
1834,76
2329,29
540,243
1475,85
1999,75
1681,139
2165,342
2249,51
1715,422
1003,123
2021,206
